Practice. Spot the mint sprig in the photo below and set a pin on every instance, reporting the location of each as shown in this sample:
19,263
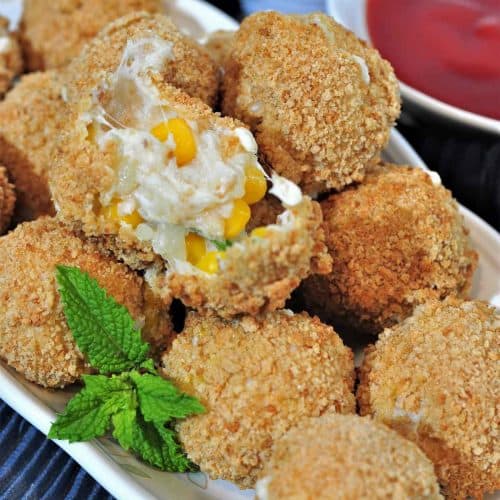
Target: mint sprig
135,403
102,328
223,245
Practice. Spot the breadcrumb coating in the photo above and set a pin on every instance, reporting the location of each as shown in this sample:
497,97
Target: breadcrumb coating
343,457
257,378
7,200
219,45
396,241
319,101
34,337
11,61
31,118
434,379
190,68
257,275
53,32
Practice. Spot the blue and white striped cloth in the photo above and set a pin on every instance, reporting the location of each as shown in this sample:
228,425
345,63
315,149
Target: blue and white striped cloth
34,468
288,6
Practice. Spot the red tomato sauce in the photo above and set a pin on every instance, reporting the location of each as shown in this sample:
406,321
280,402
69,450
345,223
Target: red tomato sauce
449,49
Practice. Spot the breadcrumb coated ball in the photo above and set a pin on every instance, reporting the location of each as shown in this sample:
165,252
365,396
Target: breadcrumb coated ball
188,66
34,337
219,45
31,118
54,32
7,200
319,101
346,457
11,61
396,240
434,379
257,377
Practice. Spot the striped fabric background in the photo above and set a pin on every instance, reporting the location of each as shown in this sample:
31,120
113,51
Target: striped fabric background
34,468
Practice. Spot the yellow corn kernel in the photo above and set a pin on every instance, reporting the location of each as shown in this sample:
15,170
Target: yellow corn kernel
237,220
111,213
210,261
255,185
185,144
260,232
91,132
195,247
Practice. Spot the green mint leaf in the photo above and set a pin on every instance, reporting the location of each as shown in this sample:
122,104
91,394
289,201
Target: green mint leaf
160,401
222,245
149,366
154,443
102,328
88,414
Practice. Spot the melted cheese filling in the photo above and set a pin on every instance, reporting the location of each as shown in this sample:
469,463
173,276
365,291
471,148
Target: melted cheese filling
169,201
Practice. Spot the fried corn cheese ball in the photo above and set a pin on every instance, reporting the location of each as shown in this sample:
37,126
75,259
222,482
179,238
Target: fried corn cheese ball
31,117
319,101
34,337
434,379
257,377
346,457
185,64
11,61
7,200
396,241
168,186
53,32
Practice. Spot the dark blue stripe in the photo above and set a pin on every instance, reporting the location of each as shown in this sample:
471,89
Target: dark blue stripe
34,468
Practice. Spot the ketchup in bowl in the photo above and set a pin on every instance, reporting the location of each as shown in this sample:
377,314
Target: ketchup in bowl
449,49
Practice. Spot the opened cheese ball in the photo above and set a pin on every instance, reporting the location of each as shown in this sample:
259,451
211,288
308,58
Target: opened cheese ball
34,337
179,60
168,185
434,379
31,118
53,32
257,377
346,457
396,241
7,200
11,61
320,101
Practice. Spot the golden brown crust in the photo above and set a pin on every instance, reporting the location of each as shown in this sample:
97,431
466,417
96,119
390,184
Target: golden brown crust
54,32
34,337
31,118
396,240
259,274
219,45
434,379
257,377
294,81
11,61
343,457
7,200
190,69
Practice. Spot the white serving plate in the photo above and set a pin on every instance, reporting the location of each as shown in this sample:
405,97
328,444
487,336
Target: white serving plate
352,14
116,470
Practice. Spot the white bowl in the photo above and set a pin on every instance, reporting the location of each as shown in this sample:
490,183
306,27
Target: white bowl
352,14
